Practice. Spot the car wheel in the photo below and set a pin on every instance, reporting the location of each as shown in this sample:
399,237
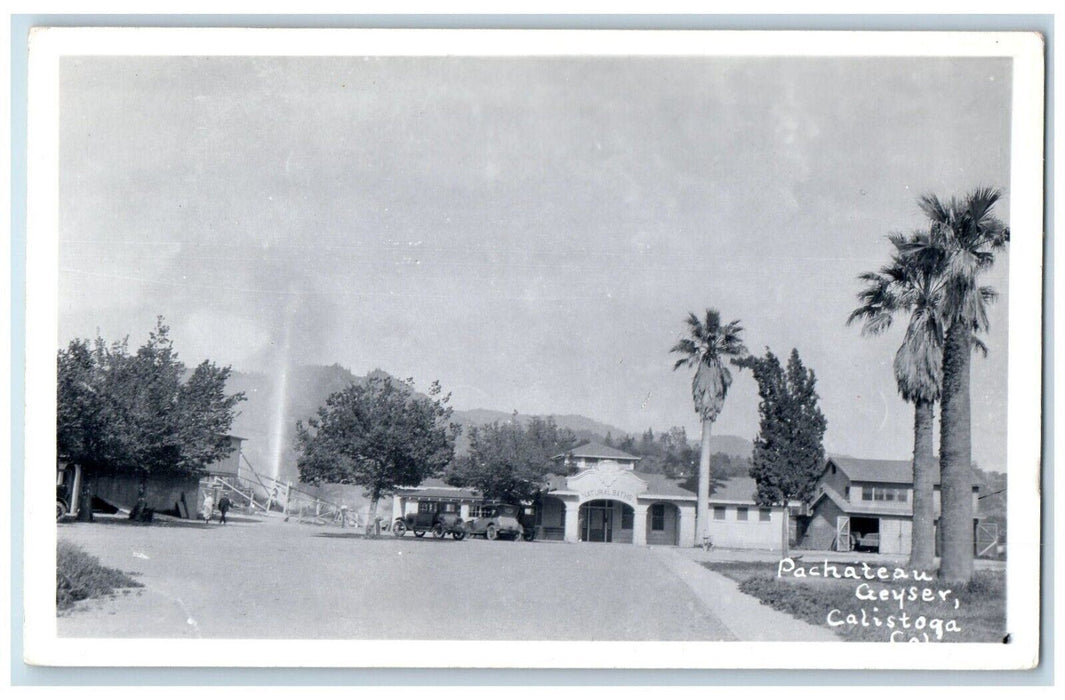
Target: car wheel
517,537
60,510
419,533
491,533
529,535
458,535
399,528
438,531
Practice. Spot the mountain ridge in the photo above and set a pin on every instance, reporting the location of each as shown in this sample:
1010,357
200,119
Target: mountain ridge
308,386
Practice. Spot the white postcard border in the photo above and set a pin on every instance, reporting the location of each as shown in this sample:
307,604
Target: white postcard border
41,644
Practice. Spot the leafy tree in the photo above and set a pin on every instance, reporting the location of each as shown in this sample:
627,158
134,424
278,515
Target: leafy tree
379,435
788,452
964,236
509,462
708,345
913,285
680,457
141,414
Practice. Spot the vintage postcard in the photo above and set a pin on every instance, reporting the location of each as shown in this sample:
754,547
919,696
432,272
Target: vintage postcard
541,349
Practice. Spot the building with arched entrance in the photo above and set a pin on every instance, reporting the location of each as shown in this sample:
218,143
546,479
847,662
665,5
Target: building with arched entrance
606,499
598,494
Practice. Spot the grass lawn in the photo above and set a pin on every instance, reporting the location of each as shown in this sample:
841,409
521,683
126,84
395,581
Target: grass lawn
79,576
978,611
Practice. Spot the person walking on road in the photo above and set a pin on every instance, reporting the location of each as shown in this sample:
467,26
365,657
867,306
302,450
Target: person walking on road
223,505
208,508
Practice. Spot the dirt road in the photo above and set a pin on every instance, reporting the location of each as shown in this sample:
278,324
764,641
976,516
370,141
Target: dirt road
275,580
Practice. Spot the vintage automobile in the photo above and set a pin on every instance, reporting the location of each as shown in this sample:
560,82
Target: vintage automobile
496,520
438,517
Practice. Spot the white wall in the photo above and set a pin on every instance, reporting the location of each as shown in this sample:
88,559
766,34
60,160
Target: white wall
895,535
753,533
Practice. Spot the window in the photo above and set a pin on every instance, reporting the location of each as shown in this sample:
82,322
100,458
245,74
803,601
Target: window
626,518
658,517
426,507
741,513
719,512
885,493
763,514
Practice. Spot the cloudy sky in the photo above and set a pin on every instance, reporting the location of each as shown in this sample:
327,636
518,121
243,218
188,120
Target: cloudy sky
531,231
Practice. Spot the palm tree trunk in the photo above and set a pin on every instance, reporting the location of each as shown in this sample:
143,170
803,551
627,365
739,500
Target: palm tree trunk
955,466
922,547
702,506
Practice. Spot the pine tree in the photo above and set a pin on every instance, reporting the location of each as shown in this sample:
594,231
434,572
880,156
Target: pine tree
788,452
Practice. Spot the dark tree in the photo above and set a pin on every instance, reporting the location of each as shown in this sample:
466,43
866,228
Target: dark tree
379,435
788,451
509,462
141,414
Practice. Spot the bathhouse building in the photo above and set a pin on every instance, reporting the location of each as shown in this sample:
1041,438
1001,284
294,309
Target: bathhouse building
599,494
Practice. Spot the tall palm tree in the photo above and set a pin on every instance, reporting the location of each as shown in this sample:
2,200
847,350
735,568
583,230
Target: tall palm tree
912,285
708,347
963,238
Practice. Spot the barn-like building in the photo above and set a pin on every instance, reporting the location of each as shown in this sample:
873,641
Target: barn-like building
867,504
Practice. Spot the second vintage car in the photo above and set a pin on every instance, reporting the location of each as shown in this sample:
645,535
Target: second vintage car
496,520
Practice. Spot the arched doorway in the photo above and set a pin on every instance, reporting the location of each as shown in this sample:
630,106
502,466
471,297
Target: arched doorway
663,524
605,521
550,519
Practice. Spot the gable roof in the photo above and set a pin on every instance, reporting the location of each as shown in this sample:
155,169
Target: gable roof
884,471
434,487
735,489
662,485
599,450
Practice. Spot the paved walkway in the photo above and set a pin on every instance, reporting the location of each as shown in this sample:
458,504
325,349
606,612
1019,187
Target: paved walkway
745,616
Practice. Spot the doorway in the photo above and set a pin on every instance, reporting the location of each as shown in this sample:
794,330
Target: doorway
597,521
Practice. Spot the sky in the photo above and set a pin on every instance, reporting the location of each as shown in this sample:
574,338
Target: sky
531,232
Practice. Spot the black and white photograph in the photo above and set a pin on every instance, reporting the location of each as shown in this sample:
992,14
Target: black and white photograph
534,348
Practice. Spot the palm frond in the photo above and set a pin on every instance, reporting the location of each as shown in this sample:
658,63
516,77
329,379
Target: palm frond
707,345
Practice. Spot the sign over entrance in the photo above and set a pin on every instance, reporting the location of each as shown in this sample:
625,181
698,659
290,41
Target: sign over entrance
607,481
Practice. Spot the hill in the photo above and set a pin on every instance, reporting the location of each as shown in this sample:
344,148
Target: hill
274,405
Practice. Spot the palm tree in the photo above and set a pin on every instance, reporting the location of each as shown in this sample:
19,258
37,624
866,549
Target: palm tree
963,237
906,285
708,346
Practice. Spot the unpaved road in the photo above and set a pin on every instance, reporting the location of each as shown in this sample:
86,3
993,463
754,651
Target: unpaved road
275,580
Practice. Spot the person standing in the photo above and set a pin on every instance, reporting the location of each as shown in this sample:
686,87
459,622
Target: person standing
223,505
208,507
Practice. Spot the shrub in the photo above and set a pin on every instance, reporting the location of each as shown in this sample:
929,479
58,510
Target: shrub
79,575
